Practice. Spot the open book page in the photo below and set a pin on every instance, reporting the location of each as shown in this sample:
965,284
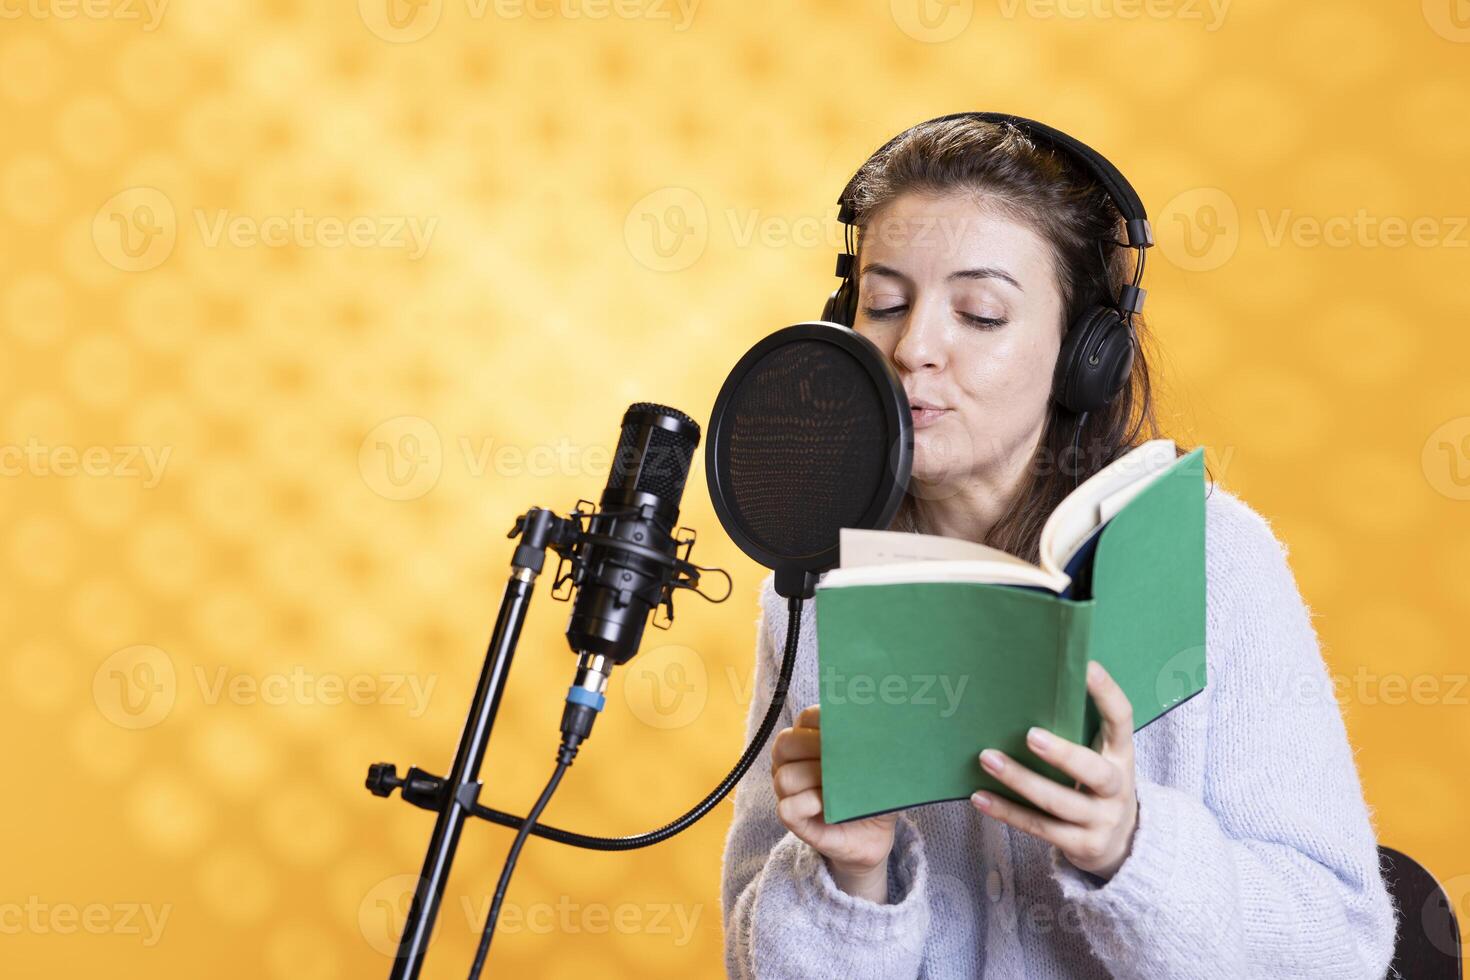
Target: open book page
858,546
1099,498
986,571
882,557
869,557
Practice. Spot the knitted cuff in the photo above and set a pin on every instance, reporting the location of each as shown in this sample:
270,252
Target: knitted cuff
859,920
1145,873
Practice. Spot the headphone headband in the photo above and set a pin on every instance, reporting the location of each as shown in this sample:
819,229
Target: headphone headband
1138,230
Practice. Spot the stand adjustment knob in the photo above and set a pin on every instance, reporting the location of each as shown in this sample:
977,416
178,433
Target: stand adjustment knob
382,778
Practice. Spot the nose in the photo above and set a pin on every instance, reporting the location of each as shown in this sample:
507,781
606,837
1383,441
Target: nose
924,341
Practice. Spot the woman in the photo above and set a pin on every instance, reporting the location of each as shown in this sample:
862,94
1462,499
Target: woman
1228,839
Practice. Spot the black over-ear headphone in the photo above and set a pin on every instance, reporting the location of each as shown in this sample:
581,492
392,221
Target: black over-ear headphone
1097,352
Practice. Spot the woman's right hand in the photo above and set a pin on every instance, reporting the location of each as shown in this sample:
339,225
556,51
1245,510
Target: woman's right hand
856,850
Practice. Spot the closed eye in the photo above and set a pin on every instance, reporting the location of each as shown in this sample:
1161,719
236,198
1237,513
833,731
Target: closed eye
885,313
888,313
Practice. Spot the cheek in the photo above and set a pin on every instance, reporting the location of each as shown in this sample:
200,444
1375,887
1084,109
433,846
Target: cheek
1012,370
884,340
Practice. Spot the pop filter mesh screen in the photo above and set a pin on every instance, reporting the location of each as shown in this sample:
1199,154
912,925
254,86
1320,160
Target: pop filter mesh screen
808,447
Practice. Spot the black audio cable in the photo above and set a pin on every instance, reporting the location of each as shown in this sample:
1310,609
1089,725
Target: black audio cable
584,701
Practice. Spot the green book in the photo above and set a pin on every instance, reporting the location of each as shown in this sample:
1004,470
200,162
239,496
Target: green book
931,649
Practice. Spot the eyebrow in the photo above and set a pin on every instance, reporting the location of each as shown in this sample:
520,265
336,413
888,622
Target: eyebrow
985,272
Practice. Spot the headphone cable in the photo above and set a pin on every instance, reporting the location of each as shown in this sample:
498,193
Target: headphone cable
1077,452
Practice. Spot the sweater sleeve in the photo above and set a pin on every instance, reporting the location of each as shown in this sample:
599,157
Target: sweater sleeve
784,916
1275,872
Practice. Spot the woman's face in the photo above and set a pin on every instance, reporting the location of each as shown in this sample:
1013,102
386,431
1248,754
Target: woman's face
964,302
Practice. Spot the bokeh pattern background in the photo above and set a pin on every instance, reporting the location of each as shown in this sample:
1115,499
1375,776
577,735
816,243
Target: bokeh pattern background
303,303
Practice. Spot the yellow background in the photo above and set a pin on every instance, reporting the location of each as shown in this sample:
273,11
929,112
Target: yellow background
613,209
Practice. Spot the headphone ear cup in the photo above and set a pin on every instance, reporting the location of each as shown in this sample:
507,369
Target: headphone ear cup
1095,361
829,309
841,306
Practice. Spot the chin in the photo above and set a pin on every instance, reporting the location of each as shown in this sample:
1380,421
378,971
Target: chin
931,469
940,451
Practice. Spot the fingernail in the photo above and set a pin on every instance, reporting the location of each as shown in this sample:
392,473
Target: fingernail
1094,670
981,800
991,760
1038,739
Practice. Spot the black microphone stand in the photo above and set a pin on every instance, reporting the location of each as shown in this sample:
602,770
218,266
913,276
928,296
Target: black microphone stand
457,798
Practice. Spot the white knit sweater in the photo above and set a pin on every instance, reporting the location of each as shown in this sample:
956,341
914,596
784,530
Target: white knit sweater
1254,854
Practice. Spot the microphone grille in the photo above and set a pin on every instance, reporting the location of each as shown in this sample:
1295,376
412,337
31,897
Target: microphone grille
654,452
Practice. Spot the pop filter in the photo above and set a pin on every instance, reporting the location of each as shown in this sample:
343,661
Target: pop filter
811,433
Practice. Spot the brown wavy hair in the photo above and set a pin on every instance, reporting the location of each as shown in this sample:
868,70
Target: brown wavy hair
1060,199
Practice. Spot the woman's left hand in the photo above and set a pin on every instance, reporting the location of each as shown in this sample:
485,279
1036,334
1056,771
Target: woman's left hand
1092,824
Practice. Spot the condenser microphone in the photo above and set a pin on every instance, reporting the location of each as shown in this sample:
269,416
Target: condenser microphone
629,554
